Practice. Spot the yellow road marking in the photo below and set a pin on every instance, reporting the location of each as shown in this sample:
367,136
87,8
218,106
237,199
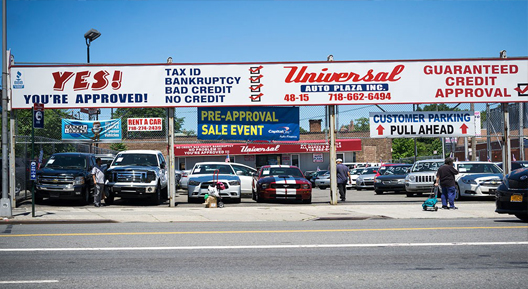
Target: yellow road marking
259,232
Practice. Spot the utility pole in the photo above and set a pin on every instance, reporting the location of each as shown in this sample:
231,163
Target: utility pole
5,203
506,160
172,166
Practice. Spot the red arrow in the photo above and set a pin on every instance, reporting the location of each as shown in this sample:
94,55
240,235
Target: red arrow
380,129
464,128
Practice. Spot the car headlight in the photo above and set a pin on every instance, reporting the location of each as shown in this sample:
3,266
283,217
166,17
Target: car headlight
234,183
377,181
305,186
410,178
469,182
151,176
401,181
78,181
264,185
193,183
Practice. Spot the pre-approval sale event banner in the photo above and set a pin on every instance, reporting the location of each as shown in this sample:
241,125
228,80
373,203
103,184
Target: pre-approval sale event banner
266,84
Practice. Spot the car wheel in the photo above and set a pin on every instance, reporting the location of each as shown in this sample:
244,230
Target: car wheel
378,192
258,199
156,198
322,187
457,193
410,194
238,200
307,201
86,197
522,217
359,189
110,198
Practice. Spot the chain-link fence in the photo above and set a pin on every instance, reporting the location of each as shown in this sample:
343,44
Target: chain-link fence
352,122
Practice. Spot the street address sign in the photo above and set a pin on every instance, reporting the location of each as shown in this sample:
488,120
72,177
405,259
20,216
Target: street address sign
422,124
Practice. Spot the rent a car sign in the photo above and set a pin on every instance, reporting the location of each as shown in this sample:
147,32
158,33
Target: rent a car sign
270,84
422,124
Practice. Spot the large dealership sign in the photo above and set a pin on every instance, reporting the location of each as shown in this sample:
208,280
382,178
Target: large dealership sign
423,124
252,123
263,148
265,84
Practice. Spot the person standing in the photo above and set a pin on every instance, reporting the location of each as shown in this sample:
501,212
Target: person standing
445,177
343,176
99,180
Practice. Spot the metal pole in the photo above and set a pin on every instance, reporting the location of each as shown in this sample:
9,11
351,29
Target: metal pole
506,161
521,131
333,171
5,204
32,158
473,138
172,167
488,131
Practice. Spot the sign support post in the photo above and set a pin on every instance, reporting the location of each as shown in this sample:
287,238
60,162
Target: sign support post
172,177
333,171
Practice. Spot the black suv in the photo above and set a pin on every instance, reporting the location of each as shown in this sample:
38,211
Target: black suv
66,176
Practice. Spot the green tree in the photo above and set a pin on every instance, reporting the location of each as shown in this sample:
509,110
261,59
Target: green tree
362,124
119,147
402,148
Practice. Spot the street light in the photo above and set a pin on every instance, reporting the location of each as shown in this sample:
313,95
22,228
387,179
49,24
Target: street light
90,36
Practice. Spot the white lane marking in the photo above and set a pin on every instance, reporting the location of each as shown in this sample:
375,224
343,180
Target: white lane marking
269,246
28,281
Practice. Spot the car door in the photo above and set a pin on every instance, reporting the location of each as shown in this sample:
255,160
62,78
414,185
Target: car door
246,177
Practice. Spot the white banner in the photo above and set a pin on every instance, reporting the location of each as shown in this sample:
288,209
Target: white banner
422,124
288,84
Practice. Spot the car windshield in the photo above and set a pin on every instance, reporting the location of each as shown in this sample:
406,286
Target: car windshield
209,169
135,160
397,170
66,162
482,168
320,173
369,171
294,172
356,171
426,166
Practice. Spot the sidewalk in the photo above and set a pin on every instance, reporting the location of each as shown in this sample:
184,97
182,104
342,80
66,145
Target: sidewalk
247,214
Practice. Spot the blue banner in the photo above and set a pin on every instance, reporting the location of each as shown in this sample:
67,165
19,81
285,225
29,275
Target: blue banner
250,123
99,131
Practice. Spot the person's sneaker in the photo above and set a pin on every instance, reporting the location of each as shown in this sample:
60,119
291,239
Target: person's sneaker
453,208
445,207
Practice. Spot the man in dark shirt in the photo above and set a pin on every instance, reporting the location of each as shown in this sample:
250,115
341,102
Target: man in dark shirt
343,176
445,177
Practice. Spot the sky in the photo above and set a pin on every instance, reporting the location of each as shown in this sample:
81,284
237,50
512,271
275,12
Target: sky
262,31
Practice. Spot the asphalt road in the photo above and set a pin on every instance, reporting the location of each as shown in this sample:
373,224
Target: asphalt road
376,253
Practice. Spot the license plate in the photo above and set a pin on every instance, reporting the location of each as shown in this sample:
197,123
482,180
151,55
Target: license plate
54,194
492,191
516,198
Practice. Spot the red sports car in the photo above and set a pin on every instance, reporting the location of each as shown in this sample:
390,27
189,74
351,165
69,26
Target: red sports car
279,182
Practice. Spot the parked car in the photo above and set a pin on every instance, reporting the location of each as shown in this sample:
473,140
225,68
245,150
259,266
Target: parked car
106,159
137,174
354,174
515,165
66,176
184,179
422,177
383,168
366,179
281,182
245,173
477,179
323,182
22,179
315,176
393,179
199,183
512,194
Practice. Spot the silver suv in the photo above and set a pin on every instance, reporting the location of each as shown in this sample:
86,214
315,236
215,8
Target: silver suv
422,176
